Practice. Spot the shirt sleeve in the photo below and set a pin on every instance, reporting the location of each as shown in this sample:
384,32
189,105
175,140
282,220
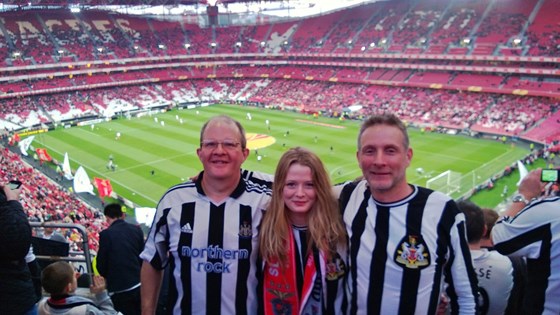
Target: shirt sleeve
464,281
157,244
518,236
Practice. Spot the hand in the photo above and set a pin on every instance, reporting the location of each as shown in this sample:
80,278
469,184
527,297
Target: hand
443,305
11,194
98,285
531,185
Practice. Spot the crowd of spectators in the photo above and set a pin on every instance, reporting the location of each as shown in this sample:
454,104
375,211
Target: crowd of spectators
485,112
401,26
46,201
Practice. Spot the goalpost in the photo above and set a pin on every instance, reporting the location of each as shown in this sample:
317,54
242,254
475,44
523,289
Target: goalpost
447,182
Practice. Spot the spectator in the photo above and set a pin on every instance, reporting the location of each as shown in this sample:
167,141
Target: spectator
118,260
302,240
403,239
17,294
529,228
49,233
207,230
60,280
518,263
494,271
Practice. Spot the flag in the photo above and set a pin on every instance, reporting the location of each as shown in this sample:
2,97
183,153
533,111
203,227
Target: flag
145,215
104,187
82,182
25,144
66,167
15,139
522,171
43,155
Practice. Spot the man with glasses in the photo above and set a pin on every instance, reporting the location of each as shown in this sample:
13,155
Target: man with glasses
206,230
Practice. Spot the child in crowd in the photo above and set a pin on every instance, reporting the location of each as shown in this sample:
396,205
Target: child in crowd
59,279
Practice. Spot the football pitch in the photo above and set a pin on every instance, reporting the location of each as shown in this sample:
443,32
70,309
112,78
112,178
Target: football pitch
169,149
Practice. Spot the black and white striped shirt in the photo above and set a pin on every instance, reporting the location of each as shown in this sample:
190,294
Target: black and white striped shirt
212,248
400,252
534,233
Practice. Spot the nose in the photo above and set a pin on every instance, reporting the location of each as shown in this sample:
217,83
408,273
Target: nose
299,190
220,148
379,158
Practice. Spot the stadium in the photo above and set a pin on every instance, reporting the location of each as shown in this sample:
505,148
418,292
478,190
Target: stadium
120,92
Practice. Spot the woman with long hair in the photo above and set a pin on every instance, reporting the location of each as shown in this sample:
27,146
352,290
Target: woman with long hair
302,240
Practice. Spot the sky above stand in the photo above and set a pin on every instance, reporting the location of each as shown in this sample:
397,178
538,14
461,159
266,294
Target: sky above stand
291,8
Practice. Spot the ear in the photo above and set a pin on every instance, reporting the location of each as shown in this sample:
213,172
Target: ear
69,288
245,153
409,155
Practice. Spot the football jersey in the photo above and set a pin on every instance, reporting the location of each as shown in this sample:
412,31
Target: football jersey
400,251
495,280
212,247
534,233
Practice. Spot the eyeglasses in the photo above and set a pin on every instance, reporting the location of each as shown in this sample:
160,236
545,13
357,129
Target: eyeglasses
213,144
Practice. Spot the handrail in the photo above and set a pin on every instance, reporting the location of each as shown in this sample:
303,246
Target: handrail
85,247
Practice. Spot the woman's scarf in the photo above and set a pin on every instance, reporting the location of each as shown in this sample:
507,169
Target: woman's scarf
280,285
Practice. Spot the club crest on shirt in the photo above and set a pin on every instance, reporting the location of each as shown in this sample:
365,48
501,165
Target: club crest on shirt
335,269
245,230
280,304
412,253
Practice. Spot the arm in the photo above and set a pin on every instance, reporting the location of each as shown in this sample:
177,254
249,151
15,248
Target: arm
151,283
102,300
463,282
104,248
530,188
15,238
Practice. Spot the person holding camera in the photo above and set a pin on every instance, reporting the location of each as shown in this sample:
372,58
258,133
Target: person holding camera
17,293
530,228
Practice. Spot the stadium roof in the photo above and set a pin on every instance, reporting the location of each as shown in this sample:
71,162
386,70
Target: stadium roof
123,2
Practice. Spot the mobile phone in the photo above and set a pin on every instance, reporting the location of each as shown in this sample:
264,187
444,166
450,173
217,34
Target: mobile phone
14,184
550,175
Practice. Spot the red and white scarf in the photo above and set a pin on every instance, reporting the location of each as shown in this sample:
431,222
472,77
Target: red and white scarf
280,285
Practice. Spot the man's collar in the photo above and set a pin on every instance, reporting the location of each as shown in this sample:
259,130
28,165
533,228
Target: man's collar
234,194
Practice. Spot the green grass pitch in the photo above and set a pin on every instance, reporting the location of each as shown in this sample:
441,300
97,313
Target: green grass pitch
170,150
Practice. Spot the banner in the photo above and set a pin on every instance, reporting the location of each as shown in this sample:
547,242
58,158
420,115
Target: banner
66,167
43,155
82,182
145,215
104,187
522,171
25,144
